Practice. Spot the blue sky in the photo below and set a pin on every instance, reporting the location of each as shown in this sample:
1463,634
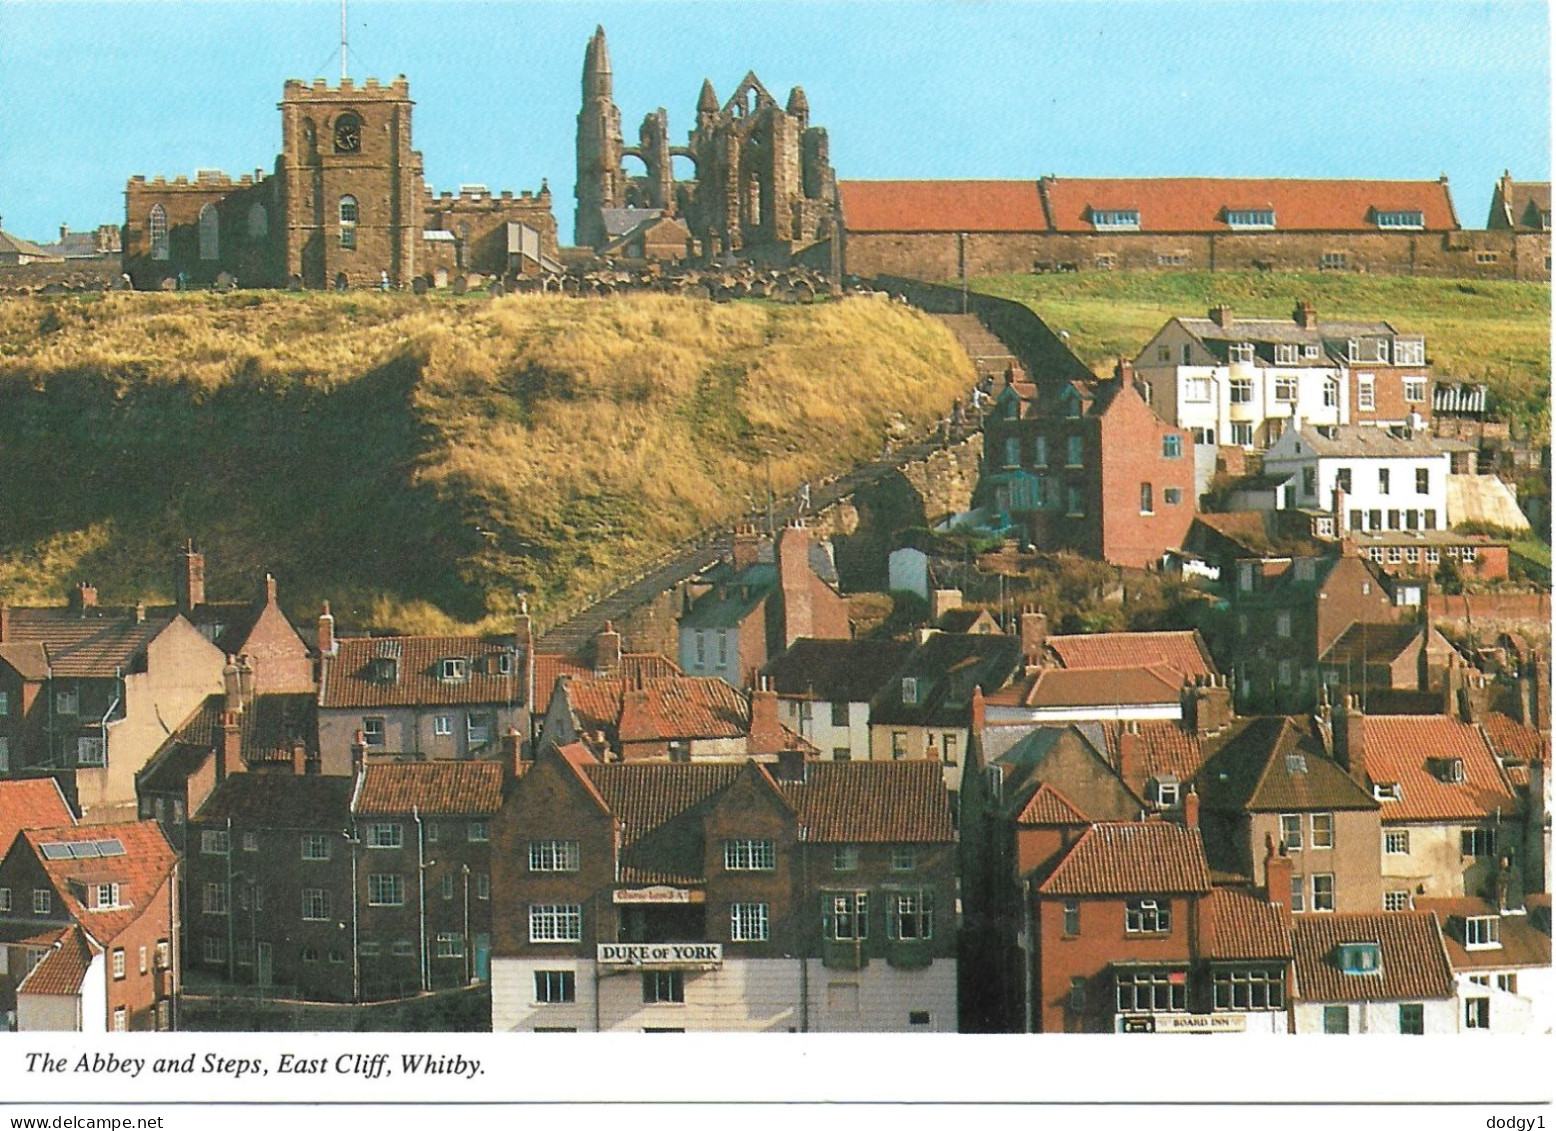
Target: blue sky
93,93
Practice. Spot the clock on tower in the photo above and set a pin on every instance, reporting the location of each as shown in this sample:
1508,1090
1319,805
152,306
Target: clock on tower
348,134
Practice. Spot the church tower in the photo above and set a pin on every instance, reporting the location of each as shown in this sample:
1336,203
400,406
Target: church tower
601,178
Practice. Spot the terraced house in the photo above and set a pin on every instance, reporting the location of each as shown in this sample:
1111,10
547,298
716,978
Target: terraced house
665,897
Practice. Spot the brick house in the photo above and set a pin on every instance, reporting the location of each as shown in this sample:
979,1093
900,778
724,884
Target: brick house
29,803
1402,656
1128,935
824,689
1089,467
425,697
1285,614
424,864
1372,973
1243,381
756,606
95,702
96,908
1520,206
669,897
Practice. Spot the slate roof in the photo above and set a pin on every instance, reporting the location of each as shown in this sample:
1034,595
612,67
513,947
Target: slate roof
1102,687
941,206
1240,925
1183,652
836,671
1414,966
1274,764
1050,807
1523,944
350,681
1132,859
15,245
62,971
1355,441
1198,204
947,665
873,802
450,788
140,870
280,801
1364,643
729,602
30,803
96,645
1399,749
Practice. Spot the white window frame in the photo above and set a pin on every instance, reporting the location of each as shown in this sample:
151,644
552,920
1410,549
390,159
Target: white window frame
911,916
553,856
215,842
316,904
386,834
385,889
555,922
213,899
750,855
1326,889
1482,932
450,944
453,669
315,846
1321,830
442,725
1396,842
748,922
848,917
1147,916
556,987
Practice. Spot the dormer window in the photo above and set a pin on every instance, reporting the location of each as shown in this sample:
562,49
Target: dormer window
1168,789
1286,354
909,691
1448,770
386,669
1245,219
503,663
451,670
1482,932
1115,219
105,896
1407,219
1310,351
1241,353
1296,763
1360,958
1385,791
1409,351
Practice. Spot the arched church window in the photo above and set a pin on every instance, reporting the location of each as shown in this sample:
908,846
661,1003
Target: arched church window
210,233
259,222
348,221
157,229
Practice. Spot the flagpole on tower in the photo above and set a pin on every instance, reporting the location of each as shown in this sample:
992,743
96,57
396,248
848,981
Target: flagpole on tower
343,42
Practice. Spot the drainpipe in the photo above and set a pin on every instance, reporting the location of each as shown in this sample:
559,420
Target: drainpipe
231,943
465,869
804,939
421,893
1026,918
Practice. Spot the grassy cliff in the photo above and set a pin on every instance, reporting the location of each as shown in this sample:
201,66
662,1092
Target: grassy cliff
419,462
1494,332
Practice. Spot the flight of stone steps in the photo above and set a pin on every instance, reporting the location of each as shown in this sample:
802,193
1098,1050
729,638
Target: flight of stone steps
990,356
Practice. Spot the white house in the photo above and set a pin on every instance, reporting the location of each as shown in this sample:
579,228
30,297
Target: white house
1375,973
1390,482
1501,965
1241,381
825,686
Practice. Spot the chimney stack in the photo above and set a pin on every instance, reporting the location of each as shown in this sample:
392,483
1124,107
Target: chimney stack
270,589
189,581
1350,740
607,650
84,597
1124,370
1191,808
5,621
766,732
327,645
942,601
140,612
299,758
979,715
512,752
1305,315
1277,876
358,752
1208,705
794,581
231,690
747,546
245,681
1034,633
1221,316
230,759
1130,767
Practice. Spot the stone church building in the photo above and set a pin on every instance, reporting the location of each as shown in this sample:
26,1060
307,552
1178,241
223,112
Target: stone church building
346,206
763,187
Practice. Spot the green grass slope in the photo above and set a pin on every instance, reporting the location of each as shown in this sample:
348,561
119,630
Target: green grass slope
418,462
1483,331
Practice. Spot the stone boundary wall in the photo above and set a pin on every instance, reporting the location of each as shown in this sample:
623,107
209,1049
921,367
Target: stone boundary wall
1472,607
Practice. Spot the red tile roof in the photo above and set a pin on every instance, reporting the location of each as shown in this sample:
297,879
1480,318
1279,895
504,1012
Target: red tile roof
31,660
61,972
1164,746
1181,652
551,666
873,802
1198,204
431,787
140,870
351,680
1523,944
280,801
29,804
682,707
1132,858
1403,749
1102,687
1414,960
645,795
942,206
1050,807
1239,924
1518,743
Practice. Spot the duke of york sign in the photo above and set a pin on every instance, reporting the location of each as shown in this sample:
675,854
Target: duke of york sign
660,954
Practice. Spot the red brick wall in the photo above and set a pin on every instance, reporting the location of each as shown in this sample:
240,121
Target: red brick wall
1131,449
138,992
